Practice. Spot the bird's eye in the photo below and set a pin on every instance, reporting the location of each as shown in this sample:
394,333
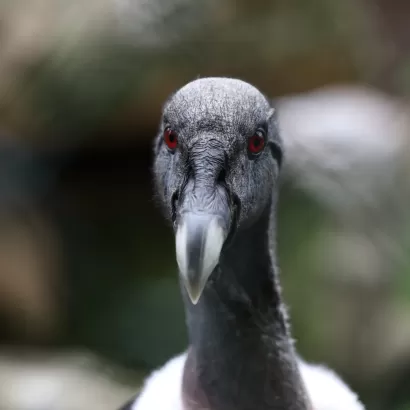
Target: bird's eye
170,138
256,143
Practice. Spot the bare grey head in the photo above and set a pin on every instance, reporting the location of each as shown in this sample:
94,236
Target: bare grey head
217,159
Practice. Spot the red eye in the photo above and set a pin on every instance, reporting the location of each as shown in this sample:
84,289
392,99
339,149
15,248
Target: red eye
170,138
256,143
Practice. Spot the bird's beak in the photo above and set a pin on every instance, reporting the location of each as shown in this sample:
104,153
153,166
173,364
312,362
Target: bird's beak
199,240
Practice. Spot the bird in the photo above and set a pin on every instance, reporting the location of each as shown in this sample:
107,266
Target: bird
217,161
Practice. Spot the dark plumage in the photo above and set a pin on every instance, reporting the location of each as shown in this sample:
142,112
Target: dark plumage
220,193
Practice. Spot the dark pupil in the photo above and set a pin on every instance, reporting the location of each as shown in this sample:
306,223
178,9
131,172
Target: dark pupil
171,137
256,141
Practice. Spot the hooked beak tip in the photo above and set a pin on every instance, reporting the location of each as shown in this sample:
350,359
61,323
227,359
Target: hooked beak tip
199,240
194,291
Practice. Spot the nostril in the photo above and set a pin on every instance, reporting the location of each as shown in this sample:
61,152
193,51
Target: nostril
236,209
174,201
221,177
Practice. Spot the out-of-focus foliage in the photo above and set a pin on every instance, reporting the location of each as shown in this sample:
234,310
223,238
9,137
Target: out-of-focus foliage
86,261
69,68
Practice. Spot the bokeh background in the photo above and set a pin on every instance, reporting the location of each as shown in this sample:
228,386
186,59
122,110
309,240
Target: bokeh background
89,300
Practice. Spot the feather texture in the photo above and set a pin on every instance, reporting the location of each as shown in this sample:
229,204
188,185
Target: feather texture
162,389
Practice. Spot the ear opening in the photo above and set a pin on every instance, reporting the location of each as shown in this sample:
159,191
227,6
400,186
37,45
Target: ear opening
277,152
157,144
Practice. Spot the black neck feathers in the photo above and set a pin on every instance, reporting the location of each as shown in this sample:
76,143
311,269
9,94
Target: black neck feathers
241,355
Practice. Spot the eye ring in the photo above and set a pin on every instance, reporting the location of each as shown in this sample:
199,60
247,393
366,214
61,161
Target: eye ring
170,139
256,143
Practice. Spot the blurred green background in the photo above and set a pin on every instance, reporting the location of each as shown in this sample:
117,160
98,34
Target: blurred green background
89,299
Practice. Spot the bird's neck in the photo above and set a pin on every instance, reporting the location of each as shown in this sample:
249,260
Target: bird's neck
241,355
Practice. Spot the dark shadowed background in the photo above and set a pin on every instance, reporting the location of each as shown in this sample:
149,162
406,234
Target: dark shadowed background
89,299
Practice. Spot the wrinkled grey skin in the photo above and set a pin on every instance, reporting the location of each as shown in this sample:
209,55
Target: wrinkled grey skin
213,118
241,355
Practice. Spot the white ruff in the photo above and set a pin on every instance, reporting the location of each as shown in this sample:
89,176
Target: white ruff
162,389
